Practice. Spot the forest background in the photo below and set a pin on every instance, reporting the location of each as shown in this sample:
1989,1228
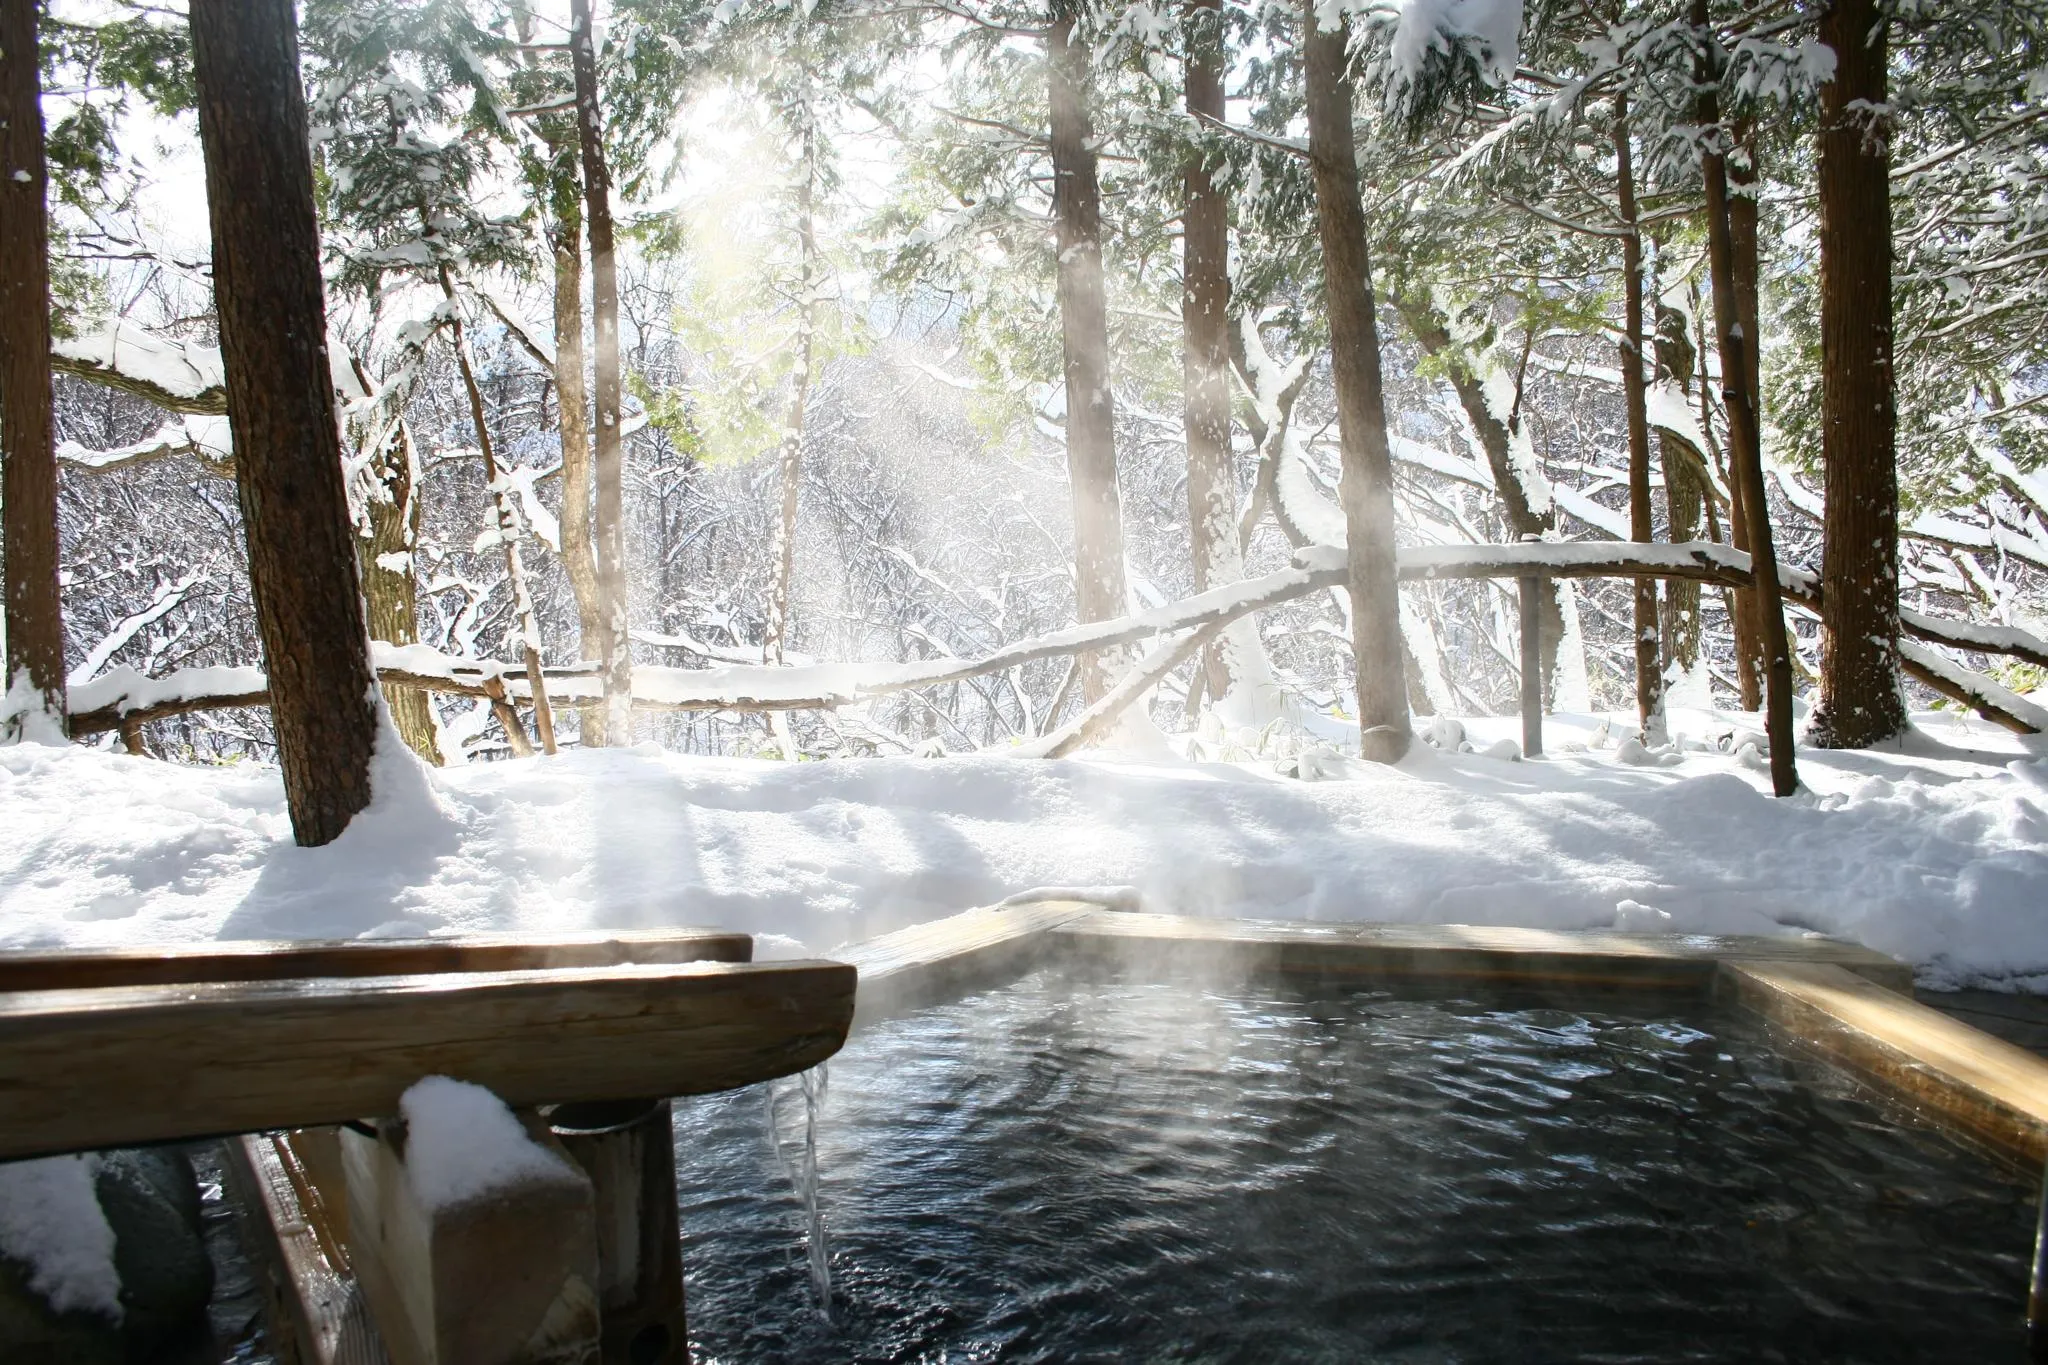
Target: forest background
845,323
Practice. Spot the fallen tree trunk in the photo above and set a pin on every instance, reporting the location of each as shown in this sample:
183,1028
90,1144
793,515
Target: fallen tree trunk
1993,701
1102,715
109,703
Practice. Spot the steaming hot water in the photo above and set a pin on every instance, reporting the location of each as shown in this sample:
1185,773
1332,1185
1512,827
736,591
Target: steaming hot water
1063,1170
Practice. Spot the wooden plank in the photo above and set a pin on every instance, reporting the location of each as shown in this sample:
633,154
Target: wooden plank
947,958
1464,951
1941,1068
133,1064
260,960
316,1313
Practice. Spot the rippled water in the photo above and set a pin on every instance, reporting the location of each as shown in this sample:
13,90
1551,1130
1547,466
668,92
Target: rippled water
1063,1171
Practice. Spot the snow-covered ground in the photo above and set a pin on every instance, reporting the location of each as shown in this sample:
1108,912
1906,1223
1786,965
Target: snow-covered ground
1936,851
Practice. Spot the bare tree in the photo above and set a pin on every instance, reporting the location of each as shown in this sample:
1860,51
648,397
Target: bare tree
1745,266
1649,675
1367,489
266,270
32,692
1745,443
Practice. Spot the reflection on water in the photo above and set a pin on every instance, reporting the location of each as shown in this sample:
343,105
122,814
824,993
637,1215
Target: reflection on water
1061,1171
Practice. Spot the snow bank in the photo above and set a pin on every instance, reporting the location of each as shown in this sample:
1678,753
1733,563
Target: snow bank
463,1144
50,1222
1935,851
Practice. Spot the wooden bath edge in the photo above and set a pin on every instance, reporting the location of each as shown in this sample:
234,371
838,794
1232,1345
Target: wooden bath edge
1839,1000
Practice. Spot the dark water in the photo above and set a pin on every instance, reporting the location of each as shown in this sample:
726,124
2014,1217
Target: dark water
1064,1171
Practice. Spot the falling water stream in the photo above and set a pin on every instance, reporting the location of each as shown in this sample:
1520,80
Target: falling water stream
802,1170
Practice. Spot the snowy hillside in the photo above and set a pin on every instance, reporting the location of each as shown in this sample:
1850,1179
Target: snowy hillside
1937,852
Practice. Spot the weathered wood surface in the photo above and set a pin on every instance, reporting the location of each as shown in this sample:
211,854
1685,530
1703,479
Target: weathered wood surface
506,1278
1535,956
628,1151
133,1064
314,1306
259,959
928,963
1943,1069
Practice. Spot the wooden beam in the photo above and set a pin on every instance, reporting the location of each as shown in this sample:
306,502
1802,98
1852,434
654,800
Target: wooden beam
1684,962
133,1064
942,960
313,1307
261,960
1939,1067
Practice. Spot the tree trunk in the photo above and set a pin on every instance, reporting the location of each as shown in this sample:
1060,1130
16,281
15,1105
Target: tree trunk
1084,332
273,333
391,588
1497,441
789,455
523,613
1745,447
1746,265
579,559
32,698
1860,703
604,308
1205,327
1685,493
1367,489
1649,674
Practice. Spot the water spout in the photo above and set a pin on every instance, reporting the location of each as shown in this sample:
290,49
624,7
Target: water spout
802,1169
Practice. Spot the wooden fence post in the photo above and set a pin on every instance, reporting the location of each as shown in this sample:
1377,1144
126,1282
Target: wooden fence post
1533,587
506,1278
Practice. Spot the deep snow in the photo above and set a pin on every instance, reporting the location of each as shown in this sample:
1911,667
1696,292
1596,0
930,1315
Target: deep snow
1935,851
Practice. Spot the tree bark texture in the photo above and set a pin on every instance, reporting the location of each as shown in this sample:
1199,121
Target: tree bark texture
1745,447
1649,670
524,615
1745,265
1860,703
610,464
1099,589
392,593
579,557
273,332
1685,493
1433,334
1367,488
32,690
1205,328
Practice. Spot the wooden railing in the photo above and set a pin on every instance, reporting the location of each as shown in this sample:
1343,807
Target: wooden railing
140,1046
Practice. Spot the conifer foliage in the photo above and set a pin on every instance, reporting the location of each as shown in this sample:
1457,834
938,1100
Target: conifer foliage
673,335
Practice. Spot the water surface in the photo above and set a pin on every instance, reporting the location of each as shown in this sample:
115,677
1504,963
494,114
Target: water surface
1069,1170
